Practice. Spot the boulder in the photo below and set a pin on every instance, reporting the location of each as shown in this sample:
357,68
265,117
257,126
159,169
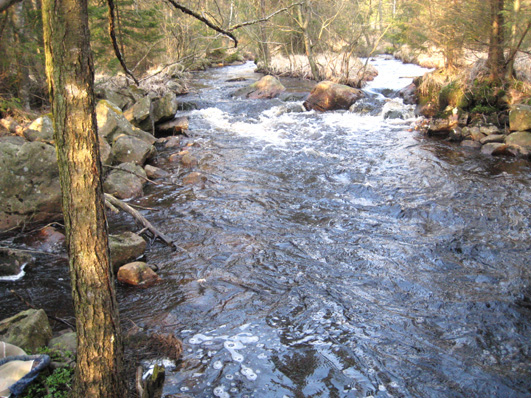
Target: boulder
508,150
395,109
140,113
126,181
12,262
127,149
492,138
441,127
47,239
29,187
267,87
520,118
41,129
173,127
155,172
112,123
165,108
520,138
66,342
409,94
491,147
28,330
194,178
489,130
172,142
105,151
125,247
471,144
188,160
137,274
329,96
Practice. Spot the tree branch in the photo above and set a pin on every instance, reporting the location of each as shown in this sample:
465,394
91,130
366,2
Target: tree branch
265,19
5,4
115,42
139,217
204,20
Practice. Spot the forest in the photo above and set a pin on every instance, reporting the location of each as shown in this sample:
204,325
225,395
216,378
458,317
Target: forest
310,39
126,105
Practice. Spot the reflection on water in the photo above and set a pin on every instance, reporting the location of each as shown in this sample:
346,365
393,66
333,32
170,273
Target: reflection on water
338,255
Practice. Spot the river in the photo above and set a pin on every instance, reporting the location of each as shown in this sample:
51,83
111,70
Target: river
333,255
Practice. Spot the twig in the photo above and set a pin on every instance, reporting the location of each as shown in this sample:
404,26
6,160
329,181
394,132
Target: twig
115,42
204,20
265,19
34,252
139,217
28,304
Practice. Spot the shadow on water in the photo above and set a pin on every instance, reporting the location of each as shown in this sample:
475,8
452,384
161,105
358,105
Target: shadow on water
336,255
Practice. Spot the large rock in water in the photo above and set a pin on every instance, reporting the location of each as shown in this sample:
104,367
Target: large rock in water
125,247
165,108
520,118
126,181
520,138
28,330
12,262
29,186
137,274
112,123
329,96
131,149
267,87
140,114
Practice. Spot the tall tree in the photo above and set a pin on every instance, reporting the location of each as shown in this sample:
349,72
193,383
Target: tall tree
496,58
70,72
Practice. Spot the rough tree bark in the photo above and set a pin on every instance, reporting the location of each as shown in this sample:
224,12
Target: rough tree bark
496,58
70,72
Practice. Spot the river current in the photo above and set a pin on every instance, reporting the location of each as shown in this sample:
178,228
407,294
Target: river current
337,254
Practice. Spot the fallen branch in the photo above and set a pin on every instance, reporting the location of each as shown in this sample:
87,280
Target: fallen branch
139,217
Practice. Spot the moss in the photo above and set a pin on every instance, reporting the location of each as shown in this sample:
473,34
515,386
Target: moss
234,57
453,95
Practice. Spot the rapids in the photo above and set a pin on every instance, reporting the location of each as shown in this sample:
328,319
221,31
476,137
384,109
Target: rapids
332,255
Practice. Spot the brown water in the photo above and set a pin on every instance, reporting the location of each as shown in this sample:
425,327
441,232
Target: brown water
330,255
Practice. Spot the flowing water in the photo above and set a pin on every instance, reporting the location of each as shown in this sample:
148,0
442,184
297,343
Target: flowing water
335,255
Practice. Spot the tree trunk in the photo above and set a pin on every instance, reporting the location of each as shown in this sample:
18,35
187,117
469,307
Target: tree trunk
304,22
70,72
263,44
514,39
496,59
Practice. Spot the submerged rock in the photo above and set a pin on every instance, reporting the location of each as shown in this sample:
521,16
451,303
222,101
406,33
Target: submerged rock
155,172
520,138
329,96
12,262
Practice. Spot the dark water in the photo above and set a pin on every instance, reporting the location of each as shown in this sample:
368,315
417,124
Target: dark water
333,255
